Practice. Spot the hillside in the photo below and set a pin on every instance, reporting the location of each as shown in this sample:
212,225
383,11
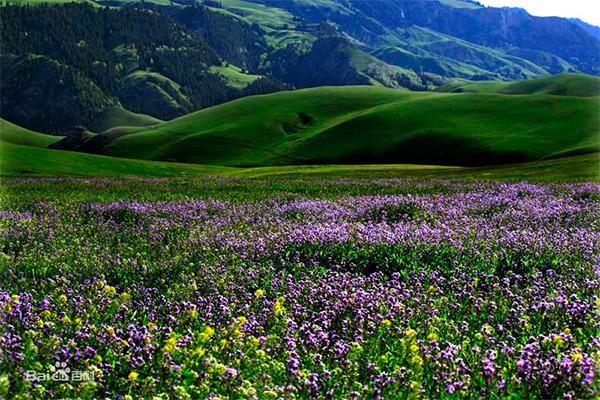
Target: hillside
14,134
560,85
136,59
165,59
22,154
350,125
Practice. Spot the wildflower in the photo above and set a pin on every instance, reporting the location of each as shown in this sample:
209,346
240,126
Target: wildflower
410,333
386,322
62,299
125,297
558,340
110,290
576,356
206,334
278,307
15,298
416,360
133,376
259,293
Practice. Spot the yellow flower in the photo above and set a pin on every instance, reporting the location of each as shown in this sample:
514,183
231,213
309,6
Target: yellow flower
386,322
576,356
66,320
125,297
62,299
15,298
414,348
133,376
598,302
110,290
278,307
433,336
411,333
170,344
558,340
259,293
416,360
206,334
198,352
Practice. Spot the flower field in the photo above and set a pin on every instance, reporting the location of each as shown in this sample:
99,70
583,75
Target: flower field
337,288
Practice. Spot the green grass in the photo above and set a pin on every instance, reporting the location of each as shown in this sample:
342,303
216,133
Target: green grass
22,153
118,116
584,168
234,76
19,160
567,84
11,133
278,24
366,125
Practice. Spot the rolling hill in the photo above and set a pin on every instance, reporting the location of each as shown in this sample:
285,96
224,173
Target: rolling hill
22,154
166,59
363,125
567,84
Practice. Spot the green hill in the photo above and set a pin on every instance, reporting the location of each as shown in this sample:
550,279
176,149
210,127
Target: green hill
567,84
11,133
366,125
19,160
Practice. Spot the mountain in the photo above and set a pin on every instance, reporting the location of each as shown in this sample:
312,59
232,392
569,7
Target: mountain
383,23
591,29
136,64
136,59
366,125
39,92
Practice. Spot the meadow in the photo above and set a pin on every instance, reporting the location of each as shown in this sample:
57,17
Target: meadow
318,287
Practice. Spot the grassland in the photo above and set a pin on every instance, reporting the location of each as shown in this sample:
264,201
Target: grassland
118,116
334,131
33,160
369,125
234,76
11,133
567,84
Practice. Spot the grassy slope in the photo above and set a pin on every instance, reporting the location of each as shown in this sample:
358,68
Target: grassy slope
22,153
584,168
11,133
234,76
18,160
117,116
567,84
278,24
373,125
